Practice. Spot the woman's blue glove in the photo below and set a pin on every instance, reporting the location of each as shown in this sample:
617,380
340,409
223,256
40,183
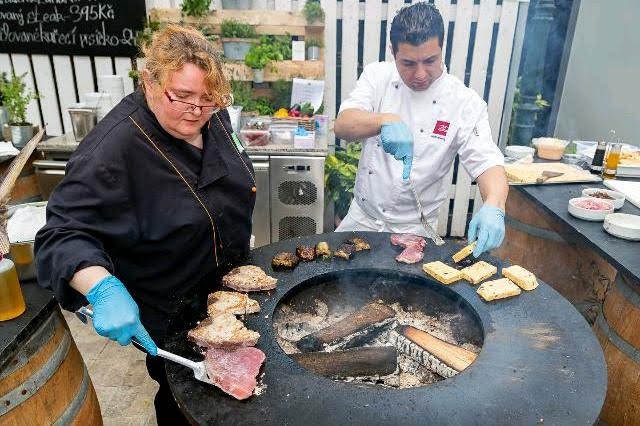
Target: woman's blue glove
488,226
116,316
397,140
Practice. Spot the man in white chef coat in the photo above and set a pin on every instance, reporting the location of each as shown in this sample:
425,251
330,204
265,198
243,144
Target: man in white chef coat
415,118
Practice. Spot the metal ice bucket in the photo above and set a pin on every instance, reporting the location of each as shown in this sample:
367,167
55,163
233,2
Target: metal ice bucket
83,119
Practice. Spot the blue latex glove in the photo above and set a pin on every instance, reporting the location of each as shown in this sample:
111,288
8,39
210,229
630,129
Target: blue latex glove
397,140
488,226
116,316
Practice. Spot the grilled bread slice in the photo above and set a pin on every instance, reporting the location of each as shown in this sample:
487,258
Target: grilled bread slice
521,277
249,278
478,272
231,302
498,289
222,331
464,252
442,272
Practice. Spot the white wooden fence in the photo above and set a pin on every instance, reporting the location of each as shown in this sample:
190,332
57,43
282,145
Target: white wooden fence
61,80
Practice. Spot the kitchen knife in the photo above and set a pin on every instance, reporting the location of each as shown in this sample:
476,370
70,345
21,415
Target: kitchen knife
431,233
199,370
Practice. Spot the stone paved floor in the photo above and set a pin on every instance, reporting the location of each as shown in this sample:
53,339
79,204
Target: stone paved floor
119,375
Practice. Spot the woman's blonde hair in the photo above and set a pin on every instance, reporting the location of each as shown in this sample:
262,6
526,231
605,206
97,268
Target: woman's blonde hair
174,46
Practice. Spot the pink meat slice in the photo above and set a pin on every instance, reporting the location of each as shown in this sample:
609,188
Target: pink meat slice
406,240
411,254
234,371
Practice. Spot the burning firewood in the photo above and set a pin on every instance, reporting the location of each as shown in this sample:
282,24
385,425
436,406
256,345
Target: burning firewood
369,361
356,329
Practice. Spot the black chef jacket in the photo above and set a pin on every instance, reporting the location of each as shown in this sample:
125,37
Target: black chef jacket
121,205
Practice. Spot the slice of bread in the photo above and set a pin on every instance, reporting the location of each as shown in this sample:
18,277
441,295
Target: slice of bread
521,277
498,289
478,272
442,272
222,331
231,302
464,252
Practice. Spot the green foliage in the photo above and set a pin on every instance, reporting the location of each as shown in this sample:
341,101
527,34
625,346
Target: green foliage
270,48
195,7
313,42
281,91
306,109
340,176
517,100
143,37
258,57
313,11
281,45
262,106
3,81
16,97
234,29
242,95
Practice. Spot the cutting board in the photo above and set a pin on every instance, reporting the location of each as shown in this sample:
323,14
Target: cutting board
630,189
526,174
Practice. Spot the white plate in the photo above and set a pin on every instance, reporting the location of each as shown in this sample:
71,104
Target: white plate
618,197
588,214
623,225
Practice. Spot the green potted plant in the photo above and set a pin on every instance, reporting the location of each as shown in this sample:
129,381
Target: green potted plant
16,96
4,116
257,58
195,7
313,48
237,39
313,12
340,177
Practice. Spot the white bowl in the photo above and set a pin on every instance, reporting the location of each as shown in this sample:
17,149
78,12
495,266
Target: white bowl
517,151
617,197
623,225
589,214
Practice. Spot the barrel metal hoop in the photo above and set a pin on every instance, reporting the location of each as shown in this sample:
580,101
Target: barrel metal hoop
33,345
27,389
629,293
534,231
76,404
617,341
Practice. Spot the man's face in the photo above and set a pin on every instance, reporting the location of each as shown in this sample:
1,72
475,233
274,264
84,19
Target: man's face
419,66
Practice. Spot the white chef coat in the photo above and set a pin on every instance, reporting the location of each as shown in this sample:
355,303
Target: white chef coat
446,119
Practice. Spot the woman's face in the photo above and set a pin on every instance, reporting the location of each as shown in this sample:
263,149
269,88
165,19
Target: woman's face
184,85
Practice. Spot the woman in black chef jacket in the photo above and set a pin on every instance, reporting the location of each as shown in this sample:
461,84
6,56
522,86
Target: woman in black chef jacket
155,205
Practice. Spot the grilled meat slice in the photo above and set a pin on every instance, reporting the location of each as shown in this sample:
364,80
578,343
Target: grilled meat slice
306,253
249,278
222,331
345,251
231,302
322,250
359,243
284,260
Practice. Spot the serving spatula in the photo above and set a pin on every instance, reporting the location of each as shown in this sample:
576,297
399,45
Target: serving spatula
548,174
431,233
199,370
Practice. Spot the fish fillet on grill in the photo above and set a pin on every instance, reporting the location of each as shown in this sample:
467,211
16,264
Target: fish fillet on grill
234,371
231,302
249,278
222,331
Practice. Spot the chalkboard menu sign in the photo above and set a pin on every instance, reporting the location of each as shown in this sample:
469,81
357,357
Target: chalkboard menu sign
71,27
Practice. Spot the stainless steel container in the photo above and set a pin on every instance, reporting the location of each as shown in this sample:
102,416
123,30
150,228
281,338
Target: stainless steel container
20,135
83,120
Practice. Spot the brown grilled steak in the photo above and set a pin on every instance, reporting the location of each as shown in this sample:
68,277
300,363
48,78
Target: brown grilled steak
249,278
306,253
359,243
284,260
322,250
222,331
344,251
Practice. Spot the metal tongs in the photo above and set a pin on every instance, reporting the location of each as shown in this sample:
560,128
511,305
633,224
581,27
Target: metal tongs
199,370
431,233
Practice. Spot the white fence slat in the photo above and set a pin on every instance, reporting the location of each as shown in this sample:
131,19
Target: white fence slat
349,69
66,89
22,65
392,8
215,5
443,212
371,37
5,64
259,4
461,32
103,65
482,46
504,46
123,66
330,7
444,7
48,97
477,199
283,4
84,75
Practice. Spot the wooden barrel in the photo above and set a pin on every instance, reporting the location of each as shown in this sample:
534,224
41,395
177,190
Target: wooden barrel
618,329
47,382
535,241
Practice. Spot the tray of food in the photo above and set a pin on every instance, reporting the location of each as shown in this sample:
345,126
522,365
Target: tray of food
538,174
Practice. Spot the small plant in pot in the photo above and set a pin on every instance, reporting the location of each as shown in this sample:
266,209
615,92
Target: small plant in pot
237,39
257,58
313,12
16,97
313,48
195,7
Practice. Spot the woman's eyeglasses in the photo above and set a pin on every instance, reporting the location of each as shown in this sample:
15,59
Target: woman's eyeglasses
183,106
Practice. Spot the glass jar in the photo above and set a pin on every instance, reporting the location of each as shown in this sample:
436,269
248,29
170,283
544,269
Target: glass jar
11,301
611,162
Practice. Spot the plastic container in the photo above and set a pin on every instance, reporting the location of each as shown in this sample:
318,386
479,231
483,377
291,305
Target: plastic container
234,115
517,151
550,148
253,137
307,141
615,197
282,136
623,225
591,209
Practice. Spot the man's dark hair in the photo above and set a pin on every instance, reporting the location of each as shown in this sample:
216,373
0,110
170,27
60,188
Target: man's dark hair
416,24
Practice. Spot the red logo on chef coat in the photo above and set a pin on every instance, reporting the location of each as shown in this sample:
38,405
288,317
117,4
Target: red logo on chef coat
441,128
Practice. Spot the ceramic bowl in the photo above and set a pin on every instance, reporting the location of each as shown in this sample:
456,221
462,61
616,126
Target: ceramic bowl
623,225
617,198
581,212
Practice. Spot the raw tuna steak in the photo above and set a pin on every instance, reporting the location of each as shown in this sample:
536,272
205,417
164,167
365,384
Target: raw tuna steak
412,254
234,371
406,240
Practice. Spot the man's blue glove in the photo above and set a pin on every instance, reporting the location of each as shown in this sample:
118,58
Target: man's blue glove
488,226
116,316
397,140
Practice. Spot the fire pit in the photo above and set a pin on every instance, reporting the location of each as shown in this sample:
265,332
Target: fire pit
539,360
